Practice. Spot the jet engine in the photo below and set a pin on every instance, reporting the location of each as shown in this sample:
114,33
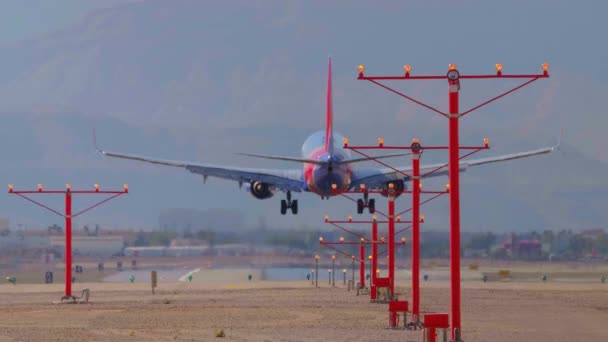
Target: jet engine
399,186
260,190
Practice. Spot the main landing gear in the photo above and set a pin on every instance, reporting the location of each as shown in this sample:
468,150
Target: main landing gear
366,202
289,204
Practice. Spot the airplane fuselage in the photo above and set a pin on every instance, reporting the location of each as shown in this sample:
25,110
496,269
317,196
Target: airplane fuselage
319,178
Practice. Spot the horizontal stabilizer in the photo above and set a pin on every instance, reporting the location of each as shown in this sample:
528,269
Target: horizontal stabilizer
298,160
316,162
358,160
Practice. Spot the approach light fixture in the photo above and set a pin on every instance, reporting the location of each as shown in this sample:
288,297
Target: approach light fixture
545,66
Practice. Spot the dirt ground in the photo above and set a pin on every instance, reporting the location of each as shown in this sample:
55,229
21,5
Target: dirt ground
512,310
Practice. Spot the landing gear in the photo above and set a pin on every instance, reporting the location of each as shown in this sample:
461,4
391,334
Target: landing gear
294,207
289,204
366,202
371,205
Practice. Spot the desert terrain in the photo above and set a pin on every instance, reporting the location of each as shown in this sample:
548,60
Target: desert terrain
572,305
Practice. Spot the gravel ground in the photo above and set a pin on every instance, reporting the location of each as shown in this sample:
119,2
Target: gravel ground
295,311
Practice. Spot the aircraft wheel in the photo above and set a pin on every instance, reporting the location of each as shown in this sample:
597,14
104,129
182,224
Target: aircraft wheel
372,206
360,206
283,207
294,207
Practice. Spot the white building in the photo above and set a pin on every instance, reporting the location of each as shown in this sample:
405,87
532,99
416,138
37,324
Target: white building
91,245
156,251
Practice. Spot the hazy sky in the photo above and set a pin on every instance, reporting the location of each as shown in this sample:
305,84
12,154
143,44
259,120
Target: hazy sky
23,19
217,77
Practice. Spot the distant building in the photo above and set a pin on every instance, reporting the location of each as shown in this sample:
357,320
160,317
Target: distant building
592,234
523,249
18,241
158,251
233,249
188,242
192,220
4,223
91,245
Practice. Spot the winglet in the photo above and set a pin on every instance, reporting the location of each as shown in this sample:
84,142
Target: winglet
95,142
556,147
561,136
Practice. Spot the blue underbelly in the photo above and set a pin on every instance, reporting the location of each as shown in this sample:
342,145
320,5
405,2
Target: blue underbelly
324,179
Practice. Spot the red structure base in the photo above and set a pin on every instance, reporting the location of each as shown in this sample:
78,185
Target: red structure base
382,283
435,321
396,307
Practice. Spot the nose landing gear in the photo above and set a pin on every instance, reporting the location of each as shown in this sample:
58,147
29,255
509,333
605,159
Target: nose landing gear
366,202
288,203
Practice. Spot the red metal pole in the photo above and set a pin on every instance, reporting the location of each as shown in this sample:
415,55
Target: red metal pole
416,232
362,265
371,284
68,218
391,242
453,90
431,333
374,256
68,243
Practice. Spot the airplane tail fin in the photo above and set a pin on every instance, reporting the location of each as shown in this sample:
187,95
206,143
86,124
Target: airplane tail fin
329,129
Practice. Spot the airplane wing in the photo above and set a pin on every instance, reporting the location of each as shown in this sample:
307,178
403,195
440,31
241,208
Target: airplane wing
376,178
285,180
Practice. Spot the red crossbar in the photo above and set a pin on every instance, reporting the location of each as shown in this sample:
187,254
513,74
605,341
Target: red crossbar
398,306
436,320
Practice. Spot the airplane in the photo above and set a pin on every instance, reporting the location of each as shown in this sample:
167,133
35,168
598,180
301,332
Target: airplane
327,168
